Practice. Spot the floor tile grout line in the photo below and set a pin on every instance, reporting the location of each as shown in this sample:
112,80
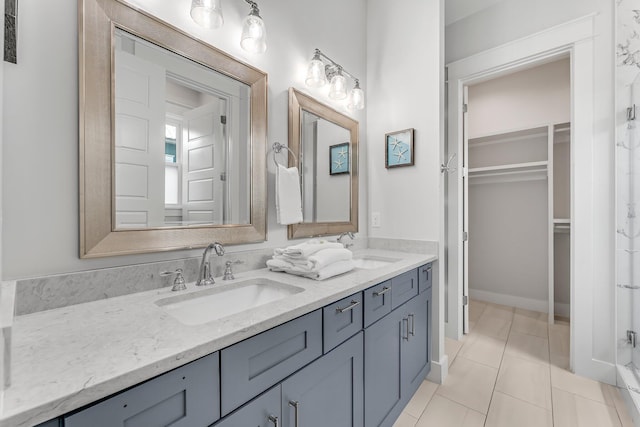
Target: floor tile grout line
493,392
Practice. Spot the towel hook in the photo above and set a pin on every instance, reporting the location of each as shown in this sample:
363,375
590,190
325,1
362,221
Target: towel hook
277,147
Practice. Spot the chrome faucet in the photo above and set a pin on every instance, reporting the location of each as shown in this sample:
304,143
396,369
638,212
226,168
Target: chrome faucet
350,235
204,275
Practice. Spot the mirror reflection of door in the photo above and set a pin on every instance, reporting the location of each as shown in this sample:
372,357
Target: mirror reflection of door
182,132
140,88
204,160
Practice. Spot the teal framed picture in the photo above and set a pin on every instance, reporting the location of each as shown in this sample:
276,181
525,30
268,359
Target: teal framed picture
398,148
339,159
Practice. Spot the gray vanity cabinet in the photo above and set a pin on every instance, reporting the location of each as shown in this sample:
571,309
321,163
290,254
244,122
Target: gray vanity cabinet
263,411
255,364
397,355
185,397
341,320
403,288
377,302
382,349
328,392
416,351
425,277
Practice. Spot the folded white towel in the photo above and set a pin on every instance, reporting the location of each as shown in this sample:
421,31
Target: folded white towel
288,196
332,270
326,257
308,248
315,262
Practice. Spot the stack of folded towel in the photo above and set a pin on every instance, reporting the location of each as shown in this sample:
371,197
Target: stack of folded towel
316,259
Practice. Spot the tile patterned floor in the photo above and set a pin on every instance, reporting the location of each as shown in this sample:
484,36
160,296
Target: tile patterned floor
511,370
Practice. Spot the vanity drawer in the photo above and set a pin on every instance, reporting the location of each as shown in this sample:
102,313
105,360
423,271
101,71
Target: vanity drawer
403,288
377,302
250,367
425,278
341,320
185,397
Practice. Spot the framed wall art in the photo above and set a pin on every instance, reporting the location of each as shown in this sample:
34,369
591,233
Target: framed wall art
339,159
398,148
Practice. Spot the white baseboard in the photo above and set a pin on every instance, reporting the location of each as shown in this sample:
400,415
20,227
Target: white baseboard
542,306
439,370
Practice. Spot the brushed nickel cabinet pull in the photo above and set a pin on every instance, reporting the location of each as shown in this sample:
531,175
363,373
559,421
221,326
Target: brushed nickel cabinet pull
384,290
349,307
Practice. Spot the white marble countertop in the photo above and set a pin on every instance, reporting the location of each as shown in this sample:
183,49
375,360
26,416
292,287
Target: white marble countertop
66,358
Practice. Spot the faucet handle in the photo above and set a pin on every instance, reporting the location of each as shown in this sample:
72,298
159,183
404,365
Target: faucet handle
228,272
178,282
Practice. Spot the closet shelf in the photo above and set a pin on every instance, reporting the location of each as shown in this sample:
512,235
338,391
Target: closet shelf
514,166
561,221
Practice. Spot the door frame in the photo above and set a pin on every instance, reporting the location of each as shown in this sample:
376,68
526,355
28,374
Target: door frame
575,38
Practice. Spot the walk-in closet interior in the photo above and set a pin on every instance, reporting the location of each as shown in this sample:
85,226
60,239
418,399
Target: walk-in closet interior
519,189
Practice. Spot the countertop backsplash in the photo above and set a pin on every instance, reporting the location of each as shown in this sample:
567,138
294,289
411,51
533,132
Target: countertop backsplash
49,292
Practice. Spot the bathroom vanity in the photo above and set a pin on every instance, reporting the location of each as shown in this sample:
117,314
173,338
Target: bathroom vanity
303,360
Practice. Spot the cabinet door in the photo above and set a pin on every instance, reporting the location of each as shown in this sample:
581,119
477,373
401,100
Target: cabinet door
341,320
382,349
263,411
250,367
416,351
403,288
185,397
377,302
329,392
425,277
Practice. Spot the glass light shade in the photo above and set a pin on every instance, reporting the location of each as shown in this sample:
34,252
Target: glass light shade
207,13
254,34
356,99
338,88
315,74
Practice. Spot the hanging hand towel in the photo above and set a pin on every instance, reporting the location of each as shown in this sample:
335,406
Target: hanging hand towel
288,197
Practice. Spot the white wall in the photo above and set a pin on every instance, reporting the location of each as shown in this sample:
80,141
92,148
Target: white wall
526,99
509,20
40,136
513,19
404,67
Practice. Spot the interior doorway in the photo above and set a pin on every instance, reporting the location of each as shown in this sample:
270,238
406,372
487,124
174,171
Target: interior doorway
575,40
516,185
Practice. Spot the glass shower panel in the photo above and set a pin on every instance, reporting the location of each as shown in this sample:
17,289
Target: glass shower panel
628,195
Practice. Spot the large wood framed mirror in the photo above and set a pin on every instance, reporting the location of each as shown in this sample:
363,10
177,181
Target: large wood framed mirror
325,143
172,137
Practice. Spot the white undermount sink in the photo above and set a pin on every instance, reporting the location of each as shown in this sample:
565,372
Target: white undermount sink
370,262
215,303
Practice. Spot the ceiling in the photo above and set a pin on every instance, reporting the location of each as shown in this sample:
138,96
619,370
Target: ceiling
459,9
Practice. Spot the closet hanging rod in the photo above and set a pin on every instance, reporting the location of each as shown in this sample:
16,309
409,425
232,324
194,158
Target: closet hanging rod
525,172
277,148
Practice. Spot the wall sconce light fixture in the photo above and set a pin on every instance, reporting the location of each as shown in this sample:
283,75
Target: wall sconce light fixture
254,33
208,14
319,73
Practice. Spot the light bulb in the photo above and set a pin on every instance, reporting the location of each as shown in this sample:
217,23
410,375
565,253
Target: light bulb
356,98
207,13
338,88
254,32
316,76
